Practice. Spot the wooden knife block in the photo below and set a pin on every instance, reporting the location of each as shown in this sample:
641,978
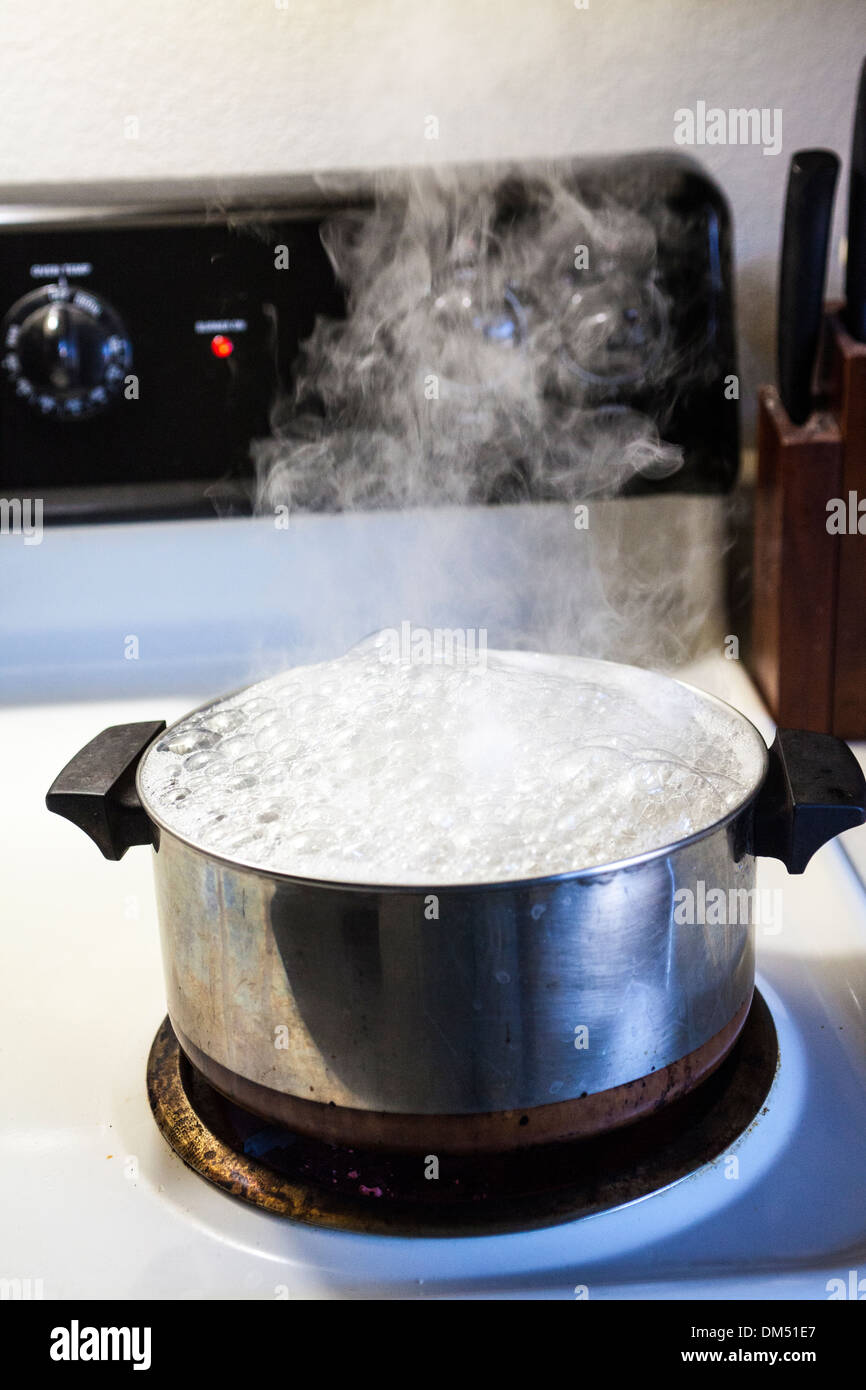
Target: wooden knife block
795,562
808,644
846,361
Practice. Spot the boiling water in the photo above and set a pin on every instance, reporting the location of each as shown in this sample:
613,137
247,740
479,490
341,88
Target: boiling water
373,769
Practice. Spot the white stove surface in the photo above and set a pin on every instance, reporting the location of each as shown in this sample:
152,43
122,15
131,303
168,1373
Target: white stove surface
93,1203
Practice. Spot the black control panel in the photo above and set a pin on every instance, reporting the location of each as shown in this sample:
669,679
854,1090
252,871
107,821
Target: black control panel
140,356
143,353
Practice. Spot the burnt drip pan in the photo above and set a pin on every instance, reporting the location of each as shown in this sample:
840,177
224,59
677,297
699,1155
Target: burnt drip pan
342,1187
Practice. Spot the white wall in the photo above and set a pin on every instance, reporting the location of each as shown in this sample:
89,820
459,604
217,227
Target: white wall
227,89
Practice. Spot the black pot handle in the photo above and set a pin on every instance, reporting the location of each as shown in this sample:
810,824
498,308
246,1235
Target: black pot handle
96,790
814,789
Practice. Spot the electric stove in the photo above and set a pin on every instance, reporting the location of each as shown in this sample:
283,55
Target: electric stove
95,1202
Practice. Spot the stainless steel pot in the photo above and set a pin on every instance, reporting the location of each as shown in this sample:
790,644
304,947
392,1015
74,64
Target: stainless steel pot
490,1016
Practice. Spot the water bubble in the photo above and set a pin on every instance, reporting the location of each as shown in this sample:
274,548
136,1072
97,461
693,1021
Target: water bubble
206,758
186,742
237,783
223,721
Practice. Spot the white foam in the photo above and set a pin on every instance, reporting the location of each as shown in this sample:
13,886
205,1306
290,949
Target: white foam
370,770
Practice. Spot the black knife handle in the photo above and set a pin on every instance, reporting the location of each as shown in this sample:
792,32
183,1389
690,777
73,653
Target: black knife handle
808,215
855,272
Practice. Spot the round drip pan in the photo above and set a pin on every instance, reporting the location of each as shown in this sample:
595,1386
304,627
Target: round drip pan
345,1187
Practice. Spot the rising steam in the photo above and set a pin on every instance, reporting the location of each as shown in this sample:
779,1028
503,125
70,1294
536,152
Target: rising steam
495,325
503,340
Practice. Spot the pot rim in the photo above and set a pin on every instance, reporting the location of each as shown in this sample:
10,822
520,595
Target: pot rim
507,885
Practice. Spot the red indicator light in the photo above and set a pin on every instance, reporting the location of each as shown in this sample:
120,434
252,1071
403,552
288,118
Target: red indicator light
221,346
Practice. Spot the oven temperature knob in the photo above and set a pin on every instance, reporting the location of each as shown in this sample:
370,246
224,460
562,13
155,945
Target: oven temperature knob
65,351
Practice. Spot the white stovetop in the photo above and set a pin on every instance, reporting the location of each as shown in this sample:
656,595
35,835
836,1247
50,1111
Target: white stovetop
94,1203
